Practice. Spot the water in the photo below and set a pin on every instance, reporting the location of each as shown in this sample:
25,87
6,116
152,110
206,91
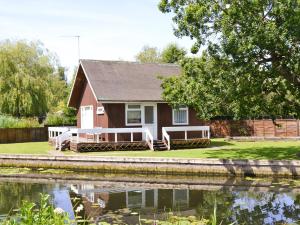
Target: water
122,199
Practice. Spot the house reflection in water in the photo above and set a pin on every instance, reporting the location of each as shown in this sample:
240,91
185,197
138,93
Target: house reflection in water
98,201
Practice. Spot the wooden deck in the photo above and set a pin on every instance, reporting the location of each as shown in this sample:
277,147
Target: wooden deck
135,146
90,140
108,146
190,143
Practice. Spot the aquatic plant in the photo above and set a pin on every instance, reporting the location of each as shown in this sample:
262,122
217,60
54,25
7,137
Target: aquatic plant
176,220
43,213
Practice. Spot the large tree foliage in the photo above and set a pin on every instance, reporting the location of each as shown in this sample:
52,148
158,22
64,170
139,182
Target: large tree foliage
31,81
172,53
254,47
148,55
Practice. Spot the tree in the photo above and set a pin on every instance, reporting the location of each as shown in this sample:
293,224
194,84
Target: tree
172,53
254,44
30,79
200,87
148,55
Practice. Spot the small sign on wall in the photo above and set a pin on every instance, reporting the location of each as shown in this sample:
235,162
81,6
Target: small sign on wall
100,110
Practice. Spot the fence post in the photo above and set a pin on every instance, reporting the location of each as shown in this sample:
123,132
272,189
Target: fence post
297,127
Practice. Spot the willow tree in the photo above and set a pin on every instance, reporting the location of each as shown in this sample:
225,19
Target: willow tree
255,45
30,82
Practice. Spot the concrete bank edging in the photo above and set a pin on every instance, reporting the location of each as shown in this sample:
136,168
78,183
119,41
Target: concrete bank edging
286,168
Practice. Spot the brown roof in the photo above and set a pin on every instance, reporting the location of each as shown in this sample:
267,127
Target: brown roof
120,81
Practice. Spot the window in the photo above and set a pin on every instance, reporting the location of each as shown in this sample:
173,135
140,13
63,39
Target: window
149,114
181,116
133,115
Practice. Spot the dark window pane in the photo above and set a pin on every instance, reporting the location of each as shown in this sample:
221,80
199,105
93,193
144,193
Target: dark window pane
134,117
149,198
149,117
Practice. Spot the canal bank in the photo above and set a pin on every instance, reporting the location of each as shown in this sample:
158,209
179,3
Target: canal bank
168,166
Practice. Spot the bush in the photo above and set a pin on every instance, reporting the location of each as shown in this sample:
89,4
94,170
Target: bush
59,119
13,122
65,116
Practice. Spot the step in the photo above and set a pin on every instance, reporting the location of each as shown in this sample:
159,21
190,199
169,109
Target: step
161,149
159,145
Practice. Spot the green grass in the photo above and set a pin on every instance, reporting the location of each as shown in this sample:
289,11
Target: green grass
222,149
25,148
219,148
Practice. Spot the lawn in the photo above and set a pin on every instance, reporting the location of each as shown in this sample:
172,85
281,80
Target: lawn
25,148
219,148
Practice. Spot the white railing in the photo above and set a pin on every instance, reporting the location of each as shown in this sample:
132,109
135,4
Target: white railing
205,131
166,138
115,131
62,138
53,132
91,131
149,138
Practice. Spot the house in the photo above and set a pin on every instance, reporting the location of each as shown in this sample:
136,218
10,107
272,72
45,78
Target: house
112,95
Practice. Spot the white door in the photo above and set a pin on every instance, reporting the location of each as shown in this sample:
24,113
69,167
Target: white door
87,117
150,119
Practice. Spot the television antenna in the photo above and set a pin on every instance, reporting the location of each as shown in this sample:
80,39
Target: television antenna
78,42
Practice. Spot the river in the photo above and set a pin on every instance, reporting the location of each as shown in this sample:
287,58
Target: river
124,199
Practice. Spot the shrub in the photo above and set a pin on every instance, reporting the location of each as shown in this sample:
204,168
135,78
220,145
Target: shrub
65,116
59,119
13,122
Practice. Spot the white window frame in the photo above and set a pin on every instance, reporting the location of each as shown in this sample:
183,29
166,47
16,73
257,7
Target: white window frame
81,109
127,109
187,116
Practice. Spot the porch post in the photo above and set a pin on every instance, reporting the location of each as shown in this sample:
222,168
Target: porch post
131,137
185,135
116,137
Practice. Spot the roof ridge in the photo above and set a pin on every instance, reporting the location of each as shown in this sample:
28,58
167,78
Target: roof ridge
129,62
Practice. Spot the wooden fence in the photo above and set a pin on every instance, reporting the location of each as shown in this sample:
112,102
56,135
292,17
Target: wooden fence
14,135
260,128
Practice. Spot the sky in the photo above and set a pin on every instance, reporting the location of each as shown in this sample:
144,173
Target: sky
108,29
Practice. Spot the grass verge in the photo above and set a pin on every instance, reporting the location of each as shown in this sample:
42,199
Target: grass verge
25,148
219,148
